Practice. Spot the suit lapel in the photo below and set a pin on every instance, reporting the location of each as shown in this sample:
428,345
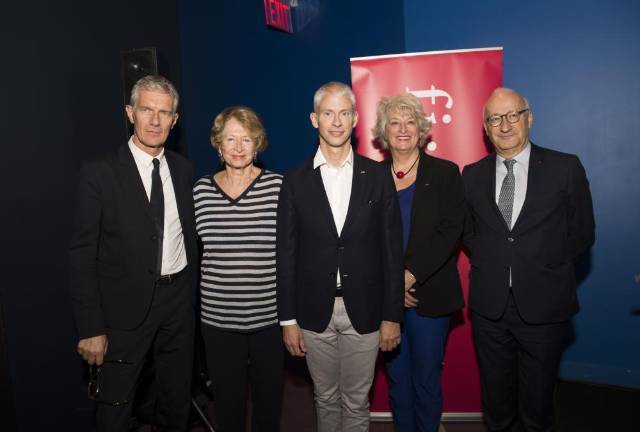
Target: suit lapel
178,186
133,188
357,184
424,179
318,190
534,186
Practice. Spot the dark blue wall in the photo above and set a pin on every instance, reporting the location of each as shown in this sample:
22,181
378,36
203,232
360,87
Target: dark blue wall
578,63
230,57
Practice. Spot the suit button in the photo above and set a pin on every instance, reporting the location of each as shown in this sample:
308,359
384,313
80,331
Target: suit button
154,238
510,239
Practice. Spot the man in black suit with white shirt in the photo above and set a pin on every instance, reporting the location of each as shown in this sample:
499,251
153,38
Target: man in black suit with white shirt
339,264
529,217
133,263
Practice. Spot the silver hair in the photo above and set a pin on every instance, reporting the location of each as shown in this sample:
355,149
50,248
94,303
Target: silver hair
336,87
406,103
155,83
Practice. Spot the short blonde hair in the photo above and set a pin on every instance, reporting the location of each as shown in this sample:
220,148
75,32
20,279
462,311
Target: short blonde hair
336,87
248,118
405,103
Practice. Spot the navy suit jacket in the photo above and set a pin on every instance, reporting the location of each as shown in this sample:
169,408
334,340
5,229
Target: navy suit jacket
368,252
554,227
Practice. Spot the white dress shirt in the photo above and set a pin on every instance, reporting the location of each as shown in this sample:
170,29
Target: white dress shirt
337,182
520,172
174,256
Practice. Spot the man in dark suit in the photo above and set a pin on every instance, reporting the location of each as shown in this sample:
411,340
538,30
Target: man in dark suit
530,216
339,264
132,265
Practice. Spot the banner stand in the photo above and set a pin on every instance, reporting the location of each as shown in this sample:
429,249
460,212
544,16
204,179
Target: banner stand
453,87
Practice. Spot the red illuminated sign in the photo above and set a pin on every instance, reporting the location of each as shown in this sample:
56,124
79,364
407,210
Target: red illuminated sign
278,15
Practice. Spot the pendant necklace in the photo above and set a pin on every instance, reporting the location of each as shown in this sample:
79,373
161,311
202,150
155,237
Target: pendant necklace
400,174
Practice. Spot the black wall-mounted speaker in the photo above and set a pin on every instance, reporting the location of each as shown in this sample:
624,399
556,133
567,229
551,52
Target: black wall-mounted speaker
137,63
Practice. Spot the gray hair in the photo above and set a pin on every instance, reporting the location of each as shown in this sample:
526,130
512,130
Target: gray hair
405,103
155,83
340,89
502,90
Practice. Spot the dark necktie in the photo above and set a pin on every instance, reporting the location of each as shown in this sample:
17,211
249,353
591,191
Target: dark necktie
157,207
507,192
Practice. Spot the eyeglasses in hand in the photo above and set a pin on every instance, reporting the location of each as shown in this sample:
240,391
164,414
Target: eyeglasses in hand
93,389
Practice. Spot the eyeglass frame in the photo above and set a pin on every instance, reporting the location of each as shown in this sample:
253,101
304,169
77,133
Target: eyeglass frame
93,387
505,116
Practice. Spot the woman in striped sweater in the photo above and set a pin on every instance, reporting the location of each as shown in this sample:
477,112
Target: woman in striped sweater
236,221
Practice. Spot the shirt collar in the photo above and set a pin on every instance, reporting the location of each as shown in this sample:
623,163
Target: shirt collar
521,158
143,158
319,159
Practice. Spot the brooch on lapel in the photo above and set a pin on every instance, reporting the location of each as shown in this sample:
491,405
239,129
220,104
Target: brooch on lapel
363,171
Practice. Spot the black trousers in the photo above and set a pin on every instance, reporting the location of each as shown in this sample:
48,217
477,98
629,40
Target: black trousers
232,357
518,370
168,330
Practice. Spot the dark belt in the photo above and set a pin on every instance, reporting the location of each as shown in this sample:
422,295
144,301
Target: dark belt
169,279
338,292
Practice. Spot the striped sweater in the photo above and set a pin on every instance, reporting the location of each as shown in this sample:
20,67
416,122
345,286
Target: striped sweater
238,267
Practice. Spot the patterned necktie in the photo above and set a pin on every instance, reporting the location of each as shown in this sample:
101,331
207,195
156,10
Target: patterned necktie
157,207
507,191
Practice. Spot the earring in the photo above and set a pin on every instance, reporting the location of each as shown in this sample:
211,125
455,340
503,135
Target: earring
255,156
220,156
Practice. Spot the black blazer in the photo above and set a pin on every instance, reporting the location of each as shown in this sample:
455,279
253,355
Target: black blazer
368,251
555,226
437,220
113,247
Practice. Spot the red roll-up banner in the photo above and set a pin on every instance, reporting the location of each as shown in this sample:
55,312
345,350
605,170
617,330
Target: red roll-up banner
453,86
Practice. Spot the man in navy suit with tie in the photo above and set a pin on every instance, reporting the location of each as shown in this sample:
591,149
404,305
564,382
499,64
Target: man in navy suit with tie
339,264
530,216
133,261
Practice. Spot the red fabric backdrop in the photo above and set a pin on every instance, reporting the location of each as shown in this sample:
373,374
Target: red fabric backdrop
453,86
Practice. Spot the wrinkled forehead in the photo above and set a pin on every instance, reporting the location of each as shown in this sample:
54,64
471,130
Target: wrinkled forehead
401,111
503,102
236,126
154,96
233,123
